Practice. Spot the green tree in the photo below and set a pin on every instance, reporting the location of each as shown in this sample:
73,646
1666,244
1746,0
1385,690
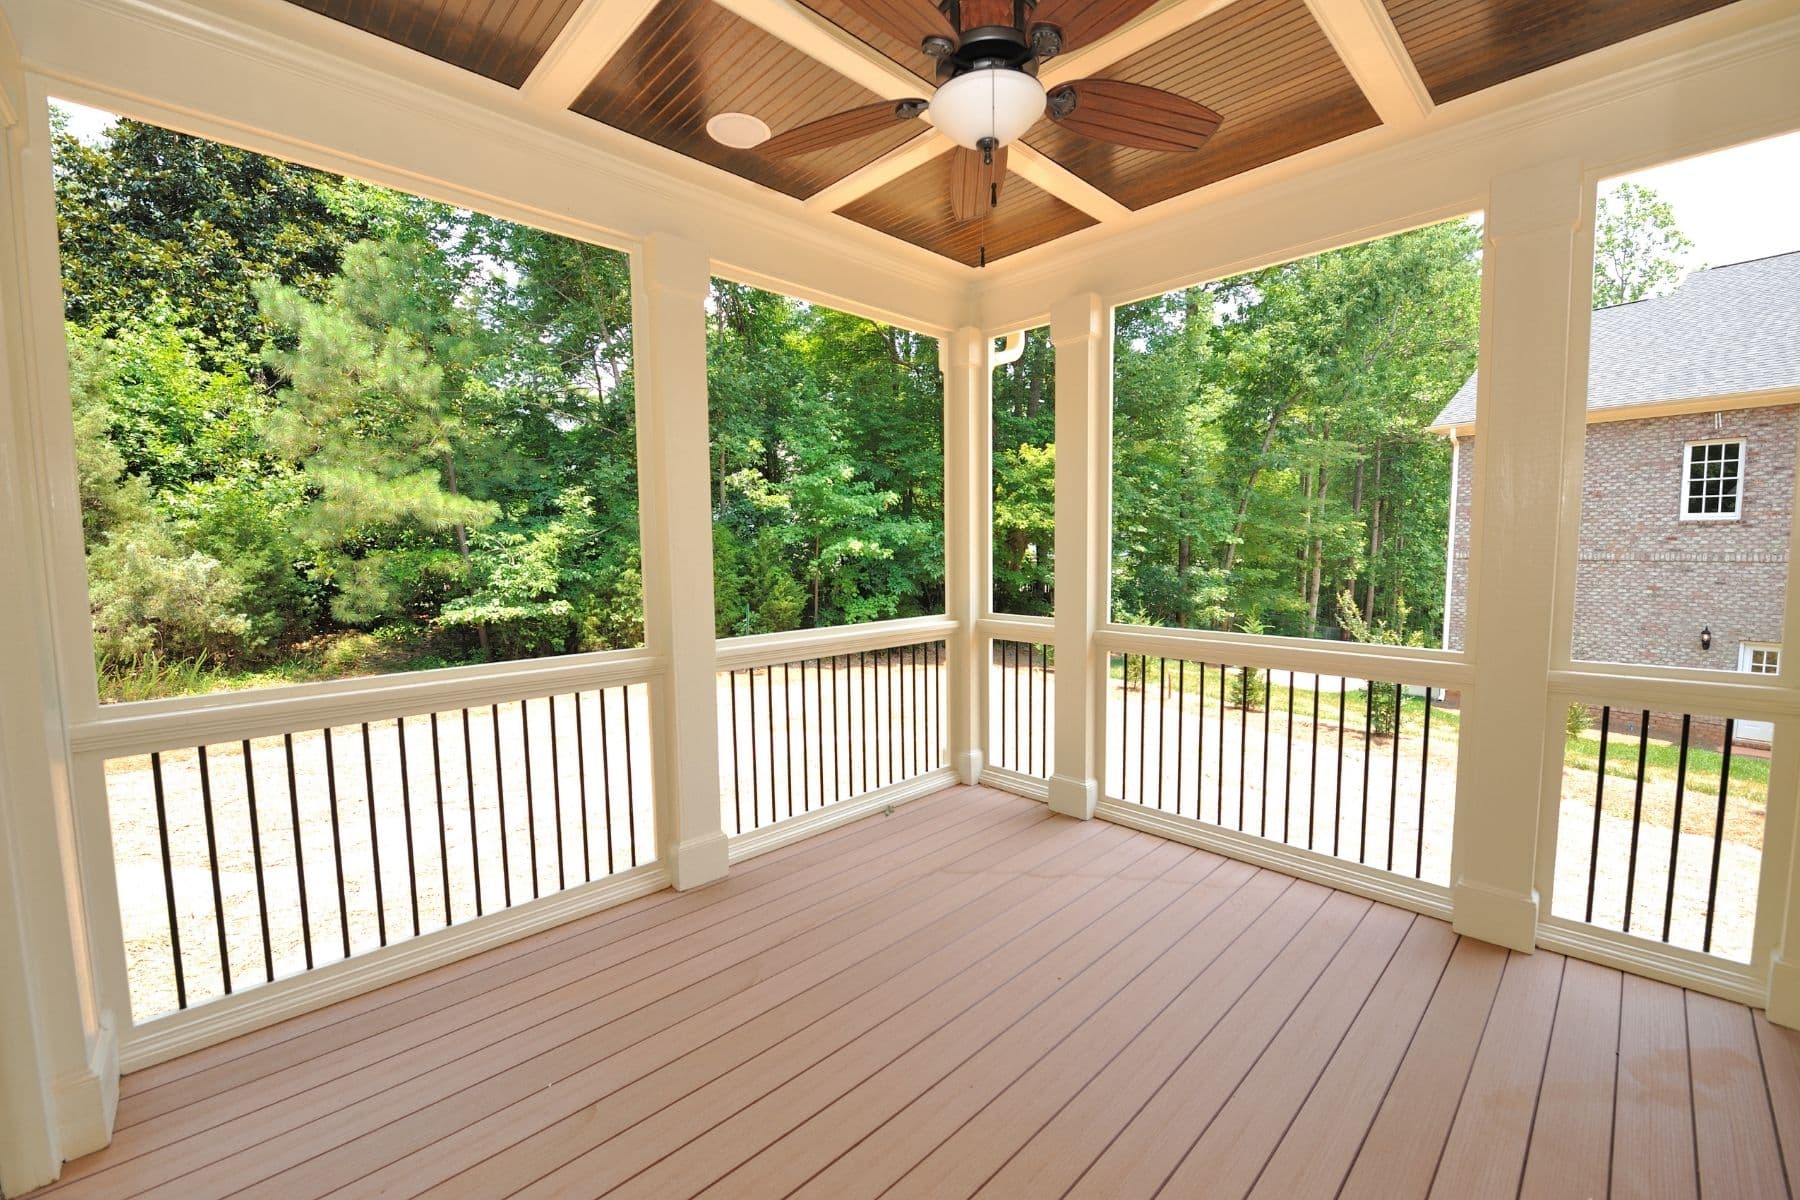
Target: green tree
1638,247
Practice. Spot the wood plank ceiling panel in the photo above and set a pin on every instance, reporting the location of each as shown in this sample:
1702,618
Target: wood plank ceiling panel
692,60
1264,65
916,208
1463,46
906,54
501,39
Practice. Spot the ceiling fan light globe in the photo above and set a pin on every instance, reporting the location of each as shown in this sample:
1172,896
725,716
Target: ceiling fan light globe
996,103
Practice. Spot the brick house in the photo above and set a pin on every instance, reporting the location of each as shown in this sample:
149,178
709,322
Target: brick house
1693,424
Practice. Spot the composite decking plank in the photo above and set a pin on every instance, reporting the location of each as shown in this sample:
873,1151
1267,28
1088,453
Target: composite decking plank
1052,1157
777,1143
1485,1153
1400,1154
1084,931
1738,1152
955,953
960,1131
1228,1155
1653,1121
607,936
1317,1147
698,972
751,973
1143,1156
1572,1135
1781,1071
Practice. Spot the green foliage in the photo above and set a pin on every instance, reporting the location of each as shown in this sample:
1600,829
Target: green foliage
1638,247
1578,720
1380,700
1024,442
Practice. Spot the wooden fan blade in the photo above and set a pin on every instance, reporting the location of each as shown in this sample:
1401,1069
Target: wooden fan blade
1131,114
912,21
977,14
1084,21
974,184
846,126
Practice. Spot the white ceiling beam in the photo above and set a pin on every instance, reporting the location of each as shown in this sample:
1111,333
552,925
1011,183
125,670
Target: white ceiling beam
1364,36
812,35
883,171
1156,23
598,30
1064,184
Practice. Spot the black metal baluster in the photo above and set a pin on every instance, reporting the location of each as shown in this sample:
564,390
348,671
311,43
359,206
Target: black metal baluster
630,779
1599,805
1262,829
1394,779
819,708
500,803
769,698
606,769
374,836
893,696
556,811
917,740
1424,775
787,727
1312,770
337,842
287,741
1200,749
1337,806
805,761
1162,723
1017,763
755,777
587,839
474,820
1224,704
1675,829
737,760
530,793
412,873
1143,724
862,698
1180,726
262,896
212,866
1124,712
1712,885
1287,764
1243,745
838,734
168,866
1368,752
437,780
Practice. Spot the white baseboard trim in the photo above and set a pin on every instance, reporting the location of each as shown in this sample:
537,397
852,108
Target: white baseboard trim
1032,787
1495,915
87,1099
794,829
1784,992
1410,894
1640,956
220,1020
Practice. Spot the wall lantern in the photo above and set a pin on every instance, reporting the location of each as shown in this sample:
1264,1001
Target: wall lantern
1706,637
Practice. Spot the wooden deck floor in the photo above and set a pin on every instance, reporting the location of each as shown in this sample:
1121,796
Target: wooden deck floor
972,997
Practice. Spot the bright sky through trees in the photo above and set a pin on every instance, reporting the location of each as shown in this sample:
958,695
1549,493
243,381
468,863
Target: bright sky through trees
1734,205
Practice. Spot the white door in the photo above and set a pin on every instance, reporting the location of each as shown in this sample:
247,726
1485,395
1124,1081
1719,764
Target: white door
1757,658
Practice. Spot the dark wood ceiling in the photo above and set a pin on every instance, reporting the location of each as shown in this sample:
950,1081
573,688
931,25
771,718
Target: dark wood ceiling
692,60
1264,65
1463,46
916,208
502,39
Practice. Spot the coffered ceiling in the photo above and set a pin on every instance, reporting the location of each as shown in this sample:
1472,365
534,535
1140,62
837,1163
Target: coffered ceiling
1285,75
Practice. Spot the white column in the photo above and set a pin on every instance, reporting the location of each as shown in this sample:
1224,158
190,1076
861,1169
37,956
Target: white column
675,518
1535,270
968,545
1081,330
59,1067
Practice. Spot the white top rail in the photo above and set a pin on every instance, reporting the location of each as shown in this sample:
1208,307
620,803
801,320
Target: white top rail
764,649
1403,664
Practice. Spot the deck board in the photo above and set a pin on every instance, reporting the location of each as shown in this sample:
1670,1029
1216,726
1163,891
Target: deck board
972,996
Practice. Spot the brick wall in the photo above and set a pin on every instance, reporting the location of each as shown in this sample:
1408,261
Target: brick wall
1647,581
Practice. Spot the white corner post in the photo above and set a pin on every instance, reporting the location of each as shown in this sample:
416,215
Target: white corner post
59,1064
1535,270
963,356
675,520
1081,330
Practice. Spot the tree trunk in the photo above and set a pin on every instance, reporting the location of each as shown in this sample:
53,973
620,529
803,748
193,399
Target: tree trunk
1237,526
462,539
1374,541
1318,558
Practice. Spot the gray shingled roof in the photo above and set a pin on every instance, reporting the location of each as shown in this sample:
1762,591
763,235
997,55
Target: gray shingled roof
1725,330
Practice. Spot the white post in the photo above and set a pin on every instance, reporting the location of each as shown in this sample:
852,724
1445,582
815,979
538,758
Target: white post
1535,271
1081,330
59,1070
968,553
675,518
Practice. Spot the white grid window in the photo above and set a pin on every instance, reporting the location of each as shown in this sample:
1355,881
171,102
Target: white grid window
1712,481
1762,660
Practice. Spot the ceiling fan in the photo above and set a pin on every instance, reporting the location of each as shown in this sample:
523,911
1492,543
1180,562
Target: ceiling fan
987,54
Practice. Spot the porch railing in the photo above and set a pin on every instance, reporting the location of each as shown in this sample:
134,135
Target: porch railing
1358,769
803,733
1021,694
271,852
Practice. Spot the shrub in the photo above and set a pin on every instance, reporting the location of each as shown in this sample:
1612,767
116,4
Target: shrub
1578,720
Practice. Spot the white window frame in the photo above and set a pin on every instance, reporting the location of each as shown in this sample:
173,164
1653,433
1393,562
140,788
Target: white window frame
1687,467
1746,657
